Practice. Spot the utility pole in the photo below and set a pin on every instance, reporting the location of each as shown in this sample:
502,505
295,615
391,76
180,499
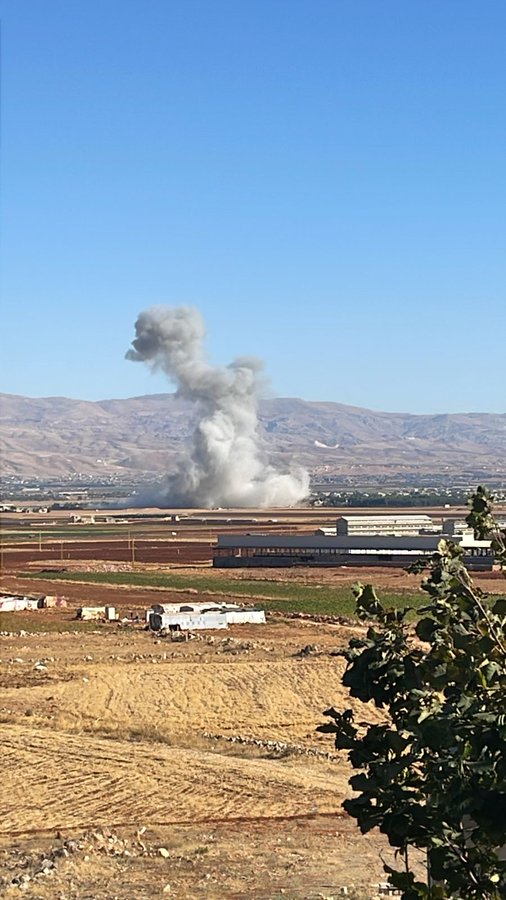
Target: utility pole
132,545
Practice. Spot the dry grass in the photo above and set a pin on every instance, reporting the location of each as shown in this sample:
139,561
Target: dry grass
114,734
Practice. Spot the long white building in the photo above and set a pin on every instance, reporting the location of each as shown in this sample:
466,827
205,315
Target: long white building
394,525
236,550
196,616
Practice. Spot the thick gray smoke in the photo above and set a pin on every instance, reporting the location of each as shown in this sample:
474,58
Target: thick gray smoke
226,466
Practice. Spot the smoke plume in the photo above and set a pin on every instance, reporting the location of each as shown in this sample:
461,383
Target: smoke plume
226,466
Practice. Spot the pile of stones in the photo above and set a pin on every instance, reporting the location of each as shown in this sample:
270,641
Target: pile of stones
279,747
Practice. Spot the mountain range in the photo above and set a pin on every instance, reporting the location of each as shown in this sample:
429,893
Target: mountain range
56,436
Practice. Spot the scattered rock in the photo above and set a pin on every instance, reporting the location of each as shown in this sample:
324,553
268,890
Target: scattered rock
72,846
308,650
273,746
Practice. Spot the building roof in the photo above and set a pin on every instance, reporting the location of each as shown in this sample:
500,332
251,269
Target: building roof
336,542
387,520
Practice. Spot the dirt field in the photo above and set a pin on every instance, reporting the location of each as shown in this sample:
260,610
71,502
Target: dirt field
136,767
116,729
144,551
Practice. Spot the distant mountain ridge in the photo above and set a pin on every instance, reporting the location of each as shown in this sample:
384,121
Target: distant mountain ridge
54,436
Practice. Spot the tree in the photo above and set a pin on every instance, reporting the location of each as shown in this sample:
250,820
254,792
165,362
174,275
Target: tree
433,776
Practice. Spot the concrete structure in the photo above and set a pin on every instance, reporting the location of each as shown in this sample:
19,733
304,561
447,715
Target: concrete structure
394,525
187,621
89,613
237,550
242,615
175,616
51,600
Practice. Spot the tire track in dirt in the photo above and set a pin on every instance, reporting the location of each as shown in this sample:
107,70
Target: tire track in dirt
57,780
276,699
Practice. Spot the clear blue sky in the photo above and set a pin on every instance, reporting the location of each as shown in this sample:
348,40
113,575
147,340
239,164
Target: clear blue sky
324,179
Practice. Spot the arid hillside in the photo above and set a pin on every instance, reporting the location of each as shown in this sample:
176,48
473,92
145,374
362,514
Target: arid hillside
58,436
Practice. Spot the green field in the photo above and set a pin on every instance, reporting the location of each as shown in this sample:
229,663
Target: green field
311,599
48,536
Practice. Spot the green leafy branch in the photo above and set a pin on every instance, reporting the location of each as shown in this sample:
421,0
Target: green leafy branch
433,775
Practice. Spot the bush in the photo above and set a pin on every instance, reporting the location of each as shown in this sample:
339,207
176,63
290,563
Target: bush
433,776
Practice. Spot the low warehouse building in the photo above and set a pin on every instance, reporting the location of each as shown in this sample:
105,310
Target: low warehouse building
237,550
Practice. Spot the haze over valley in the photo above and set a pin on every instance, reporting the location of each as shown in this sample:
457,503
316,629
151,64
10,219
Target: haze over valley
57,436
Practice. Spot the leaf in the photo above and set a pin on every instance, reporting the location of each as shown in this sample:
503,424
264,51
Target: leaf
439,755
425,629
499,607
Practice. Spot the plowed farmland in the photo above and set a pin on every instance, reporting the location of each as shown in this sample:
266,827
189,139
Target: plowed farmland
136,766
145,551
201,744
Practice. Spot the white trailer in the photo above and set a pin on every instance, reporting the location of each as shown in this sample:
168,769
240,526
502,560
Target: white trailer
186,621
175,616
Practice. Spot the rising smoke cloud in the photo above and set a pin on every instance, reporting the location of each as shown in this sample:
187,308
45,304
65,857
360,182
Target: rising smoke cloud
226,466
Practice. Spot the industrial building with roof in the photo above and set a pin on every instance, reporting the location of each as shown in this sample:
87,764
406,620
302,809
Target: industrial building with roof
237,550
460,526
394,525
